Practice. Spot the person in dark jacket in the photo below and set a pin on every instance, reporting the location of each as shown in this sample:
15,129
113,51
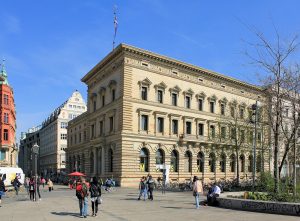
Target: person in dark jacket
16,184
2,190
150,184
95,190
31,189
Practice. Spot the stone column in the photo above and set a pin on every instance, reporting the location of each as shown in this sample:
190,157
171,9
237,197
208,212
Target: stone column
102,161
95,160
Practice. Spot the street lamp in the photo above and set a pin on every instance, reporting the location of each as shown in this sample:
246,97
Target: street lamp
255,109
35,151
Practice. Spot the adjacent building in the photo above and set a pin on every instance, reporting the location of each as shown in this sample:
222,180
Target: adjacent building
53,135
146,110
8,149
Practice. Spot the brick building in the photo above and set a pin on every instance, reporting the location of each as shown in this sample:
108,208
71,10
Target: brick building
8,152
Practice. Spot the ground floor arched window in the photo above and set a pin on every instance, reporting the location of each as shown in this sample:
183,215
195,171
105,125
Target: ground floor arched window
159,157
188,161
110,160
174,161
200,162
242,163
223,163
232,163
212,162
92,162
144,160
250,163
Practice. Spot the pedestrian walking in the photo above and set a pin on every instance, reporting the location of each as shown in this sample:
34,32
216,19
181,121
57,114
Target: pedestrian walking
142,188
82,195
95,190
2,190
26,184
16,184
39,182
197,189
43,181
31,189
50,185
150,184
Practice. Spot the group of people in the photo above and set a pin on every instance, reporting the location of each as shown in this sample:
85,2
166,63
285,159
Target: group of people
212,195
83,191
31,185
146,187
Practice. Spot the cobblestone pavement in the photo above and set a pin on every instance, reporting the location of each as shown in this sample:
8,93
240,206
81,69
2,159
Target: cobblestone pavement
61,204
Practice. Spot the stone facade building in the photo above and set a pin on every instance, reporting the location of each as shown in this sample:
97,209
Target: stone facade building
8,149
145,110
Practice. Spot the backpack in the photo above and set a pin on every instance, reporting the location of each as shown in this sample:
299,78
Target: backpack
79,192
94,190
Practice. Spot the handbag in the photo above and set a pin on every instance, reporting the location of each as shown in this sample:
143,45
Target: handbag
99,199
194,193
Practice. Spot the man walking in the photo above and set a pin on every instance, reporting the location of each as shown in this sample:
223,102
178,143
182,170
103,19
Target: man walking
150,184
16,184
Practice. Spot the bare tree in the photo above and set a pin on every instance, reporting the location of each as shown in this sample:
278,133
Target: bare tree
272,59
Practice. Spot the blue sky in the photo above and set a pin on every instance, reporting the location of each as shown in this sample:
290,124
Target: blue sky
50,45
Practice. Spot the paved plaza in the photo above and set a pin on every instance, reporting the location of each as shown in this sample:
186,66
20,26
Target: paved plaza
122,204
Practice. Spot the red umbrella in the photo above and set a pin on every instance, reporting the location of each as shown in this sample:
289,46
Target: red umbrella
76,174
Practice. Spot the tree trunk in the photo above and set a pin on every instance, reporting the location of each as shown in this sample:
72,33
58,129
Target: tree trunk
294,172
237,166
276,174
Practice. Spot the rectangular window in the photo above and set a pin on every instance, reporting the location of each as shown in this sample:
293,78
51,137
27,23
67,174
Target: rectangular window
6,118
103,100
174,99
144,93
79,137
242,113
212,107
222,109
212,131
242,136
175,126
111,124
188,126
94,106
200,105
160,96
5,99
84,135
251,137
144,122
63,125
223,132
5,134
2,154
101,128
63,136
259,137
233,133
232,111
113,94
201,129
93,131
187,102
160,125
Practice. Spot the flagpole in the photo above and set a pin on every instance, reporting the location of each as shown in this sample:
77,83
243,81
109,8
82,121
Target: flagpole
115,25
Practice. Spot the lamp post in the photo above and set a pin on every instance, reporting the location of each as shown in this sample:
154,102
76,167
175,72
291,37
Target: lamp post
255,108
35,151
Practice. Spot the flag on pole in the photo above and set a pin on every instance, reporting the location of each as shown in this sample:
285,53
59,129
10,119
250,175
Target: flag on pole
115,25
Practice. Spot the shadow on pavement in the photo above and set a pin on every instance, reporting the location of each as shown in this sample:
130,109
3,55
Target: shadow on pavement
175,207
65,214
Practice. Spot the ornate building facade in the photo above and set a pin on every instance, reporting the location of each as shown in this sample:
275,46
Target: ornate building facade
146,110
8,149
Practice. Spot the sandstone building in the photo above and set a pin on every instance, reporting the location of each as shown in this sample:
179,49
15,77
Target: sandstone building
145,110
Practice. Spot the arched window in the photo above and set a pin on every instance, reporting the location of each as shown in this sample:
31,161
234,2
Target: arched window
212,162
223,163
232,163
174,161
78,164
258,163
159,157
92,162
83,163
250,164
144,160
188,162
242,163
200,162
110,160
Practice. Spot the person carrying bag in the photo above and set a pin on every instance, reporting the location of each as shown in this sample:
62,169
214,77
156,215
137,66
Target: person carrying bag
95,190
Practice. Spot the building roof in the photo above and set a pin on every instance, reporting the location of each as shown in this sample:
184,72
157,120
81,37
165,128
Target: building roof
157,57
